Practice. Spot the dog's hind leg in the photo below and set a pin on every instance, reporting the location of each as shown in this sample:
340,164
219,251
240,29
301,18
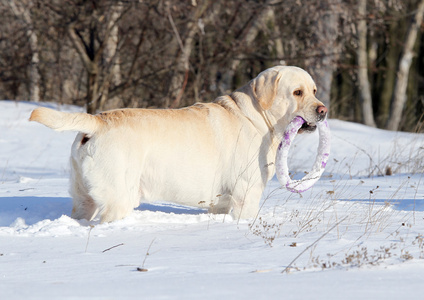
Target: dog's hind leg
105,178
84,206
115,202
115,191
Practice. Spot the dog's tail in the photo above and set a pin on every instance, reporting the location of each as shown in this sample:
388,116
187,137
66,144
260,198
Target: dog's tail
62,121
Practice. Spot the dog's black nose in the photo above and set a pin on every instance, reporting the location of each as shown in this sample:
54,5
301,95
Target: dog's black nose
322,111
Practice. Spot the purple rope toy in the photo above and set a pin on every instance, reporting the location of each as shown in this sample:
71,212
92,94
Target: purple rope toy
281,168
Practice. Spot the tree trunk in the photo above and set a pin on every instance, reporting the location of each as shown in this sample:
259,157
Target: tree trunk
92,90
364,85
180,77
91,68
91,55
34,74
399,92
322,73
258,24
111,58
322,65
387,77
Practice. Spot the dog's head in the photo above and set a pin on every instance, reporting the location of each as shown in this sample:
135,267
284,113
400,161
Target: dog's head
286,92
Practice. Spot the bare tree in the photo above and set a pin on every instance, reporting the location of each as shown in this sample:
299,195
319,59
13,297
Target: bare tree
257,24
111,57
107,54
22,10
90,33
399,93
325,45
182,65
362,54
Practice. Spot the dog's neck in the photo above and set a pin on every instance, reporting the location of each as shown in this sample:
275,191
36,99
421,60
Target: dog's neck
268,122
260,120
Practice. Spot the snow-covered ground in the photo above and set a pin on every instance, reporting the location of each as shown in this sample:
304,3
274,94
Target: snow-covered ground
355,235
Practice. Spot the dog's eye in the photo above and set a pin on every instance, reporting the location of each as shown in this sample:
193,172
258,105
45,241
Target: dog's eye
297,93
315,91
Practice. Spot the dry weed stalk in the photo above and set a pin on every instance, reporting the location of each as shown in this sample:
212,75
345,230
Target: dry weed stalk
286,269
142,268
268,232
88,237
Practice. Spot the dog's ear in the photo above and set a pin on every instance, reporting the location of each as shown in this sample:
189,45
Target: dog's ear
265,88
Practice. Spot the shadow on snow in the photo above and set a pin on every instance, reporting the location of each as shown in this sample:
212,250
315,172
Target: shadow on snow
397,204
35,209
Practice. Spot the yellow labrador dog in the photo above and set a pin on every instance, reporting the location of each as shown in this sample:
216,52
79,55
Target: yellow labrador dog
216,155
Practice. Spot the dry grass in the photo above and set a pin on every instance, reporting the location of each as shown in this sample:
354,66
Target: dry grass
350,211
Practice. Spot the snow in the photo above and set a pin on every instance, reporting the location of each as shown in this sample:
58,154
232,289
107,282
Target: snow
355,234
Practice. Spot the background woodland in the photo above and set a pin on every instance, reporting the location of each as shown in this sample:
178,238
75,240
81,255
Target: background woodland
366,56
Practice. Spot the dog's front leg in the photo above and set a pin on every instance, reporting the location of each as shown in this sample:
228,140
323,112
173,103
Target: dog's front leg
245,204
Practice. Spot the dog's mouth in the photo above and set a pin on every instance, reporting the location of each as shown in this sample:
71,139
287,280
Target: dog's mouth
307,127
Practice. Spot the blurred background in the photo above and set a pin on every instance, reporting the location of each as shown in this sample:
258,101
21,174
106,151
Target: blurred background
366,56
